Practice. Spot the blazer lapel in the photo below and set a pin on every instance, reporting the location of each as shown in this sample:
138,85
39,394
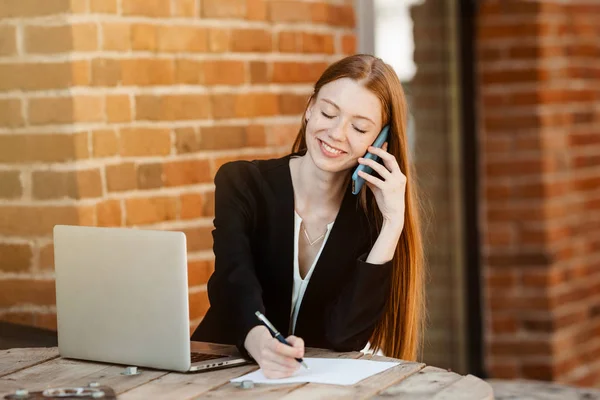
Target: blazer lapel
282,245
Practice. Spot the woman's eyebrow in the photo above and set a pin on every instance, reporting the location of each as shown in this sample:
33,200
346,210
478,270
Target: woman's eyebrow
355,116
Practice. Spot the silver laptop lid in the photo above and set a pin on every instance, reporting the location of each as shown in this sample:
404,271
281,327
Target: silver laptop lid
122,296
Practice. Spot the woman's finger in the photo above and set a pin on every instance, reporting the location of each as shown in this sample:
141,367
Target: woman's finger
388,159
380,169
370,178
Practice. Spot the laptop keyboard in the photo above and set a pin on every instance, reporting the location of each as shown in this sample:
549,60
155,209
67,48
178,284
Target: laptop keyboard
197,357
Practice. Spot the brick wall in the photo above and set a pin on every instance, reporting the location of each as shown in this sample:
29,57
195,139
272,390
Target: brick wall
119,112
539,77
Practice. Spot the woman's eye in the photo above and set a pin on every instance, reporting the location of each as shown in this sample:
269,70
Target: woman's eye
360,130
326,115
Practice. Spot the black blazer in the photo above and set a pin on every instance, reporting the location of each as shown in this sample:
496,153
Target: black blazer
254,248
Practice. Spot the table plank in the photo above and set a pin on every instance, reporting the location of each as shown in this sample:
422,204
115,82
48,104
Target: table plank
362,390
272,391
422,385
185,386
17,359
466,388
62,372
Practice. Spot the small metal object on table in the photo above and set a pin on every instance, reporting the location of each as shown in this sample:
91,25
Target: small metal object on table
37,369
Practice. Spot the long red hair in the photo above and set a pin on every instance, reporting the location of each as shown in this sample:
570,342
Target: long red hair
398,333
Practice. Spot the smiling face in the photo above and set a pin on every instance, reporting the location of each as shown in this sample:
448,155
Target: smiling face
343,121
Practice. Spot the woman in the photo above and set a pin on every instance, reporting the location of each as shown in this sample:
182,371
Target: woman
282,223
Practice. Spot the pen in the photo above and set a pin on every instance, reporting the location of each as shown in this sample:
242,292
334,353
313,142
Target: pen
277,335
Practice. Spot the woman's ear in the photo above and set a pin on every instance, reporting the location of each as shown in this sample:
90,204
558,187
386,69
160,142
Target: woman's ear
309,109
308,113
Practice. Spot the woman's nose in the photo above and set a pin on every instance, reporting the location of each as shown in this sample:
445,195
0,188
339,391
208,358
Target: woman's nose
338,132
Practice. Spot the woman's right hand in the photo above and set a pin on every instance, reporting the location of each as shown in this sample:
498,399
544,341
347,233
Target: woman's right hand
276,359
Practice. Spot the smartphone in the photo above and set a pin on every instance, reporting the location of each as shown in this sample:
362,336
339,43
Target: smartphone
358,181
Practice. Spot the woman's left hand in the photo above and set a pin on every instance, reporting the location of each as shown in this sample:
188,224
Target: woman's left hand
390,189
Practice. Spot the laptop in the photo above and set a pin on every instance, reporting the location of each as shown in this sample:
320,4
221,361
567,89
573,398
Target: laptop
122,297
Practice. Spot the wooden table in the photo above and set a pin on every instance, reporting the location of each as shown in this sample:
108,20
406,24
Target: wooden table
37,369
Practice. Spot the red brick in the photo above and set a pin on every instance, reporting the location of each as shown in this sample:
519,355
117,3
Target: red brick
106,72
256,105
292,104
63,110
103,6
60,39
538,371
42,76
185,8
289,42
118,108
20,318
504,324
173,107
222,137
105,143
149,8
199,272
145,142
186,39
33,8
190,72
209,204
224,9
223,105
341,15
47,257
187,140
219,40
504,370
199,304
75,184
150,175
515,76
289,11
256,10
501,280
295,72
251,40
121,177
15,257
224,72
11,115
144,37
40,220
188,172
11,184
317,43
199,239
27,292
26,148
141,211
522,259
8,40
144,72
46,321
348,44
259,72
109,213
191,205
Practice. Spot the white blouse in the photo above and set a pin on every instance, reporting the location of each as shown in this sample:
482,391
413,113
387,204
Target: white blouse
299,283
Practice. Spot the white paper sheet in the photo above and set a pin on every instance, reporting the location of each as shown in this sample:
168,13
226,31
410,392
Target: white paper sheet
334,371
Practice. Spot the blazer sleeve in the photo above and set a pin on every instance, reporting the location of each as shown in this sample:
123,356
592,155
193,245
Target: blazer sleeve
352,316
233,289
